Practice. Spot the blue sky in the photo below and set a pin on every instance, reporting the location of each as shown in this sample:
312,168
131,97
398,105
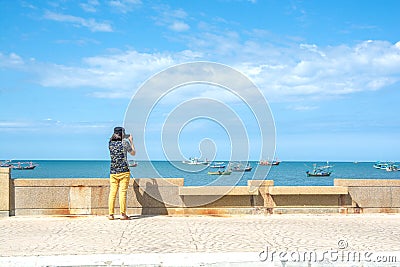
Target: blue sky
330,71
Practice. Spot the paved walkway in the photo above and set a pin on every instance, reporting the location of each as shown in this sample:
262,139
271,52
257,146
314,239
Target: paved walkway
275,240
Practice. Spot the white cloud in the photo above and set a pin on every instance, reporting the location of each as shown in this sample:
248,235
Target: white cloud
302,108
177,13
14,124
198,90
124,6
312,48
91,24
326,71
111,76
173,19
11,61
51,125
284,74
28,5
111,95
179,26
90,6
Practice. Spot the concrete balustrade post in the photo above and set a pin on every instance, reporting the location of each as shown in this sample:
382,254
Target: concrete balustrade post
5,192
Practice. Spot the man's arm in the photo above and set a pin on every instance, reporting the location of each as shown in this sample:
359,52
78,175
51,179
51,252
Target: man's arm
132,151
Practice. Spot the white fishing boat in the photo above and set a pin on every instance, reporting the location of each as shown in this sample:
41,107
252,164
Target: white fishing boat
387,166
380,165
392,168
196,161
239,167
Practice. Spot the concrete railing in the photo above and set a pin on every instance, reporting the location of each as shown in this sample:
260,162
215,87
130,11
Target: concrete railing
373,196
75,196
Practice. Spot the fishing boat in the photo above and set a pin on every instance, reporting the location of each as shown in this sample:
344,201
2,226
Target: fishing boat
392,168
320,171
6,164
196,161
269,163
387,166
133,164
220,173
23,166
380,165
218,165
238,167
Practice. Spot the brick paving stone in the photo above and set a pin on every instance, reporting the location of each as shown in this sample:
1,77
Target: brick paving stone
95,235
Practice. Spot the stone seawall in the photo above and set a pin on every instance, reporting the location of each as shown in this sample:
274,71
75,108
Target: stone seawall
149,196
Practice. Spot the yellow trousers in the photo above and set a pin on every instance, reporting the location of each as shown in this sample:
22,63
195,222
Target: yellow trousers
118,181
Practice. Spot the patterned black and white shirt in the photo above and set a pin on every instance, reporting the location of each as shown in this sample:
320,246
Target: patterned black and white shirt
118,154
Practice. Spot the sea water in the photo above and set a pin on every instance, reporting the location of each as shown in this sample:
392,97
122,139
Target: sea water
286,173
